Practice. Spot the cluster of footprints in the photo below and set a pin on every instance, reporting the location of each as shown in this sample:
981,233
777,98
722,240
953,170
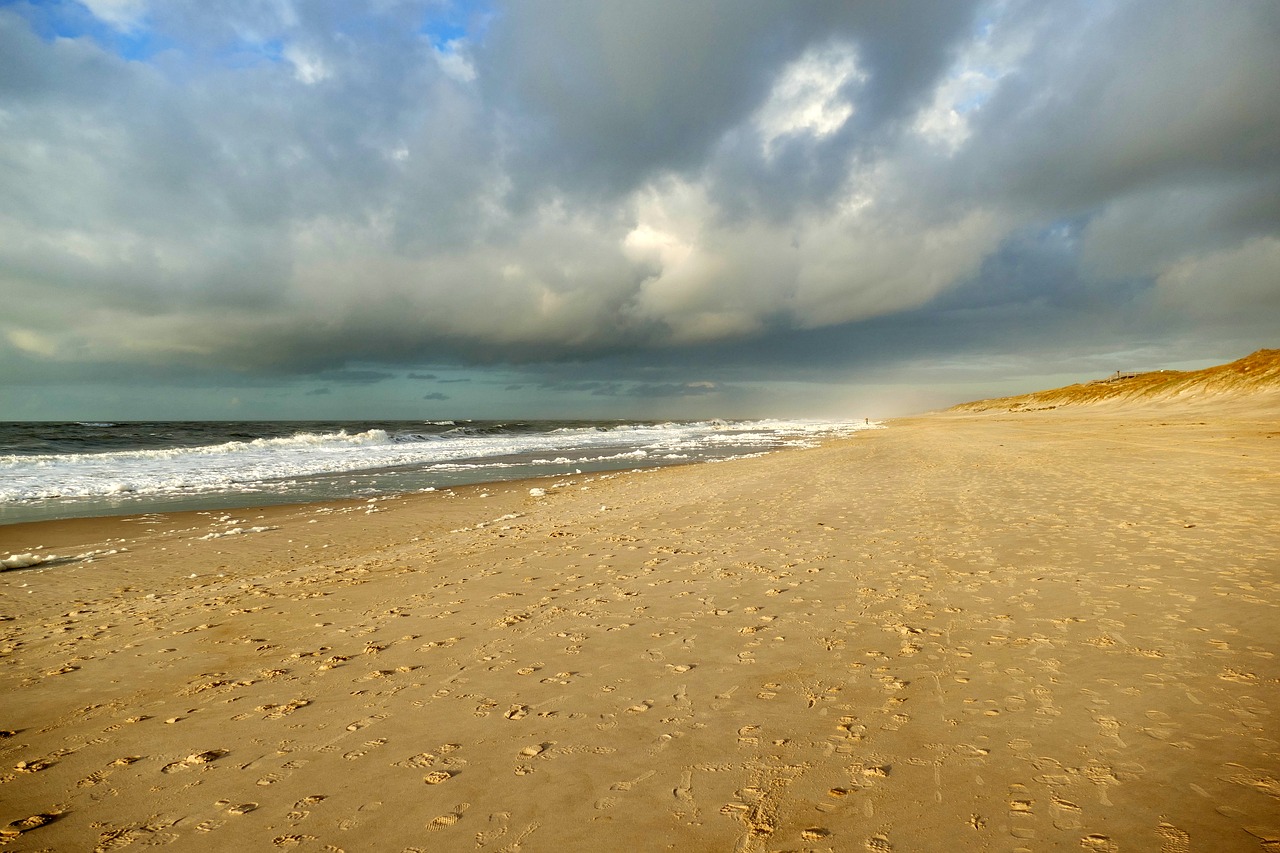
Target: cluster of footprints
713,675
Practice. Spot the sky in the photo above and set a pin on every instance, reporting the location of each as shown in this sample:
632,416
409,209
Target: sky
582,208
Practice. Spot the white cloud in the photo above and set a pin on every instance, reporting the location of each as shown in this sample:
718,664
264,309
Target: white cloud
998,48
669,216
308,67
946,119
122,14
880,263
455,61
808,95
711,279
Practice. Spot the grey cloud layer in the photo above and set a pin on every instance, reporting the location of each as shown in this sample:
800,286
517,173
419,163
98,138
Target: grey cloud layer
295,187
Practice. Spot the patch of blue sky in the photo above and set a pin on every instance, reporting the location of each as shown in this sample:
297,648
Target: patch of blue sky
63,19
984,25
979,65
247,53
1065,232
455,20
976,98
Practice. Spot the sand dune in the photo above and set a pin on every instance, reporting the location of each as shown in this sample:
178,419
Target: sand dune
1044,631
1253,380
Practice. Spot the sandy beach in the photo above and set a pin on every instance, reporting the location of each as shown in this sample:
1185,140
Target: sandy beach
1036,631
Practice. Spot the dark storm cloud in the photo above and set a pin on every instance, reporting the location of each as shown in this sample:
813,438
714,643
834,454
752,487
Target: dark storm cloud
670,389
634,389
284,188
1126,97
613,93
354,377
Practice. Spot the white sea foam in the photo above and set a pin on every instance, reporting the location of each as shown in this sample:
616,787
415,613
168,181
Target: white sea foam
26,561
268,464
237,531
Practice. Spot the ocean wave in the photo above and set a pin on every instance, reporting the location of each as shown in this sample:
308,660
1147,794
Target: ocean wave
268,462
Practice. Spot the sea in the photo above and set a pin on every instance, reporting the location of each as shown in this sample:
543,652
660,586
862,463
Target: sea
68,470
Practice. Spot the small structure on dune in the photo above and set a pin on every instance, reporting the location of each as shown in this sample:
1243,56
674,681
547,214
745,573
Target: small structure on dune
1255,374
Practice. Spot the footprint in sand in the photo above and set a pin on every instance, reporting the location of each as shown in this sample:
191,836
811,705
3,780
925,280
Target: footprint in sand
1021,808
94,778
17,827
500,822
1066,814
446,820
367,721
194,760
558,678
628,785
1177,841
291,840
362,752
33,766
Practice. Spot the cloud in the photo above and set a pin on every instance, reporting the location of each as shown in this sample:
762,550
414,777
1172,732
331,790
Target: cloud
455,62
121,14
808,96
354,377
635,389
683,389
308,67
1122,101
1226,284
435,395
341,192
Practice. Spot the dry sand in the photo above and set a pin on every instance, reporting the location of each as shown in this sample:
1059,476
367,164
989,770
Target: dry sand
1046,631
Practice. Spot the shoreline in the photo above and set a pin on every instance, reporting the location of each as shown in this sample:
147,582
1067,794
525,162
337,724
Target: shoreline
244,502
283,468
88,533
289,506
961,632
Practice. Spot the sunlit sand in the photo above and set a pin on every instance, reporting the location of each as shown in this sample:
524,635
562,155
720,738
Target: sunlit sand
1006,630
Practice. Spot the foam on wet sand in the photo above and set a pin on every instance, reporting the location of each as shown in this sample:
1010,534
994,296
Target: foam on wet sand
1002,631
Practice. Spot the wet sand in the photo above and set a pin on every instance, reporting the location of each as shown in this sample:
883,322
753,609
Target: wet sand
965,632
